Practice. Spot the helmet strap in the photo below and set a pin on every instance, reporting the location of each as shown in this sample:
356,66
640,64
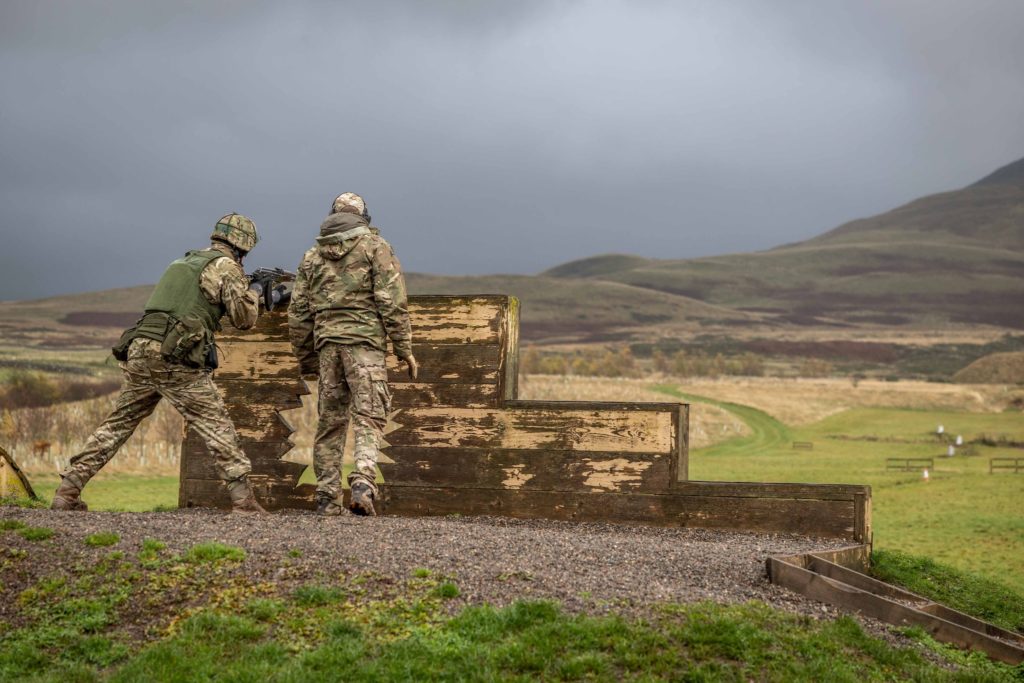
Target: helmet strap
235,251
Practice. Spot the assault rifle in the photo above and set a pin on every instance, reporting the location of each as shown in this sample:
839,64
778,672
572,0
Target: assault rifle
273,284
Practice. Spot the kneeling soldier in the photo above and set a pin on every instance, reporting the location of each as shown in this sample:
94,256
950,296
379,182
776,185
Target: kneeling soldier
170,354
348,300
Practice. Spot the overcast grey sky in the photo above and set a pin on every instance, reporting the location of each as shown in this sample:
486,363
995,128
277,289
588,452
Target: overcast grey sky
486,136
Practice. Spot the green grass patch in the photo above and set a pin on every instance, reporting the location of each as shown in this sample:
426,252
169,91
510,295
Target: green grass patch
36,533
767,431
115,492
446,591
102,538
11,525
978,596
538,641
421,573
264,609
149,553
152,545
8,501
213,552
315,595
68,630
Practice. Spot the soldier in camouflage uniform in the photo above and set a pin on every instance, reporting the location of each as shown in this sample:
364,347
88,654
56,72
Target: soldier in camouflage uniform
348,300
169,354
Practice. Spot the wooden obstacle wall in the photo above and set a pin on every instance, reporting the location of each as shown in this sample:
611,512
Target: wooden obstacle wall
461,441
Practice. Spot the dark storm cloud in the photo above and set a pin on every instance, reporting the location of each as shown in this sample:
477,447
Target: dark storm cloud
487,136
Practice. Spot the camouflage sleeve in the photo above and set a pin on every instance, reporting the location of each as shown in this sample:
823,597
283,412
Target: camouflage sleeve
390,297
223,281
300,323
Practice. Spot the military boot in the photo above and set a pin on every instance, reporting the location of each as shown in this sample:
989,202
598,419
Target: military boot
242,499
330,507
362,499
68,497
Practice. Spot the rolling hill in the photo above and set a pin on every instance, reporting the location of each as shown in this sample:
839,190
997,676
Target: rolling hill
553,310
953,257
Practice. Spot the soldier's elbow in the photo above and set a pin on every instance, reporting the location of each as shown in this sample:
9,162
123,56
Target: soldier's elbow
245,320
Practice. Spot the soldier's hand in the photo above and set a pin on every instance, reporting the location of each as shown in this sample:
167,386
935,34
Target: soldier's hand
414,367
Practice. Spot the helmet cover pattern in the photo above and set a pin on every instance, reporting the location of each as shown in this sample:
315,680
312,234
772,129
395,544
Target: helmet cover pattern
236,230
349,202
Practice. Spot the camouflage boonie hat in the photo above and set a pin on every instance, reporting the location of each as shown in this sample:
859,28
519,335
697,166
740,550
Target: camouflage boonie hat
236,230
349,202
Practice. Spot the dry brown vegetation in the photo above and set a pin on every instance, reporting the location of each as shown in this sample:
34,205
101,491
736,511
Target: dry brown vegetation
43,439
708,424
996,368
792,401
800,401
24,389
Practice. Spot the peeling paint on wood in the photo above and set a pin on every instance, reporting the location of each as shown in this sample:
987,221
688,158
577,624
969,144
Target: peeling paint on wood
515,477
525,428
611,475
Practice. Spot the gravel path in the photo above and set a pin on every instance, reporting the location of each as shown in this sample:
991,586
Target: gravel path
587,567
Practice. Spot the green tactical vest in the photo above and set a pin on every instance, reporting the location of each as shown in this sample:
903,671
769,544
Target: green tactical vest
178,314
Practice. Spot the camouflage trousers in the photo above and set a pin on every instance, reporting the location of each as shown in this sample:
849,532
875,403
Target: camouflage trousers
353,386
148,378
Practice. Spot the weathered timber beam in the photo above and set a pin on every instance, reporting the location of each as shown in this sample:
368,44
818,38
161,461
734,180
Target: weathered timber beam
435,320
508,346
596,406
856,557
823,518
825,567
841,594
278,394
423,395
198,463
540,428
439,363
545,470
272,494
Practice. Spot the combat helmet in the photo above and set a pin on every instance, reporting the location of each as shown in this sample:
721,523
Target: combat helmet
350,202
236,230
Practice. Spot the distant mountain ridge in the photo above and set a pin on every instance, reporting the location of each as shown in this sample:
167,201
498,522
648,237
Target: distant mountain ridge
953,257
1011,174
950,257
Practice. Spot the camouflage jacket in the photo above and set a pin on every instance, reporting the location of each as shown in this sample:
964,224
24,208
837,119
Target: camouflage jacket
224,282
348,289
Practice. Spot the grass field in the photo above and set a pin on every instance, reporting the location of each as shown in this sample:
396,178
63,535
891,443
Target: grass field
118,492
961,515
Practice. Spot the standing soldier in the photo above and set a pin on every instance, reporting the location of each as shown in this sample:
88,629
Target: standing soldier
170,353
348,300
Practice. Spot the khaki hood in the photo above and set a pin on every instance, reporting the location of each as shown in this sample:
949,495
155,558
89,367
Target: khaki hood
339,233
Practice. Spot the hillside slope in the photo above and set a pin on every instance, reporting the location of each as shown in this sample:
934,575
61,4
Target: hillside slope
995,368
951,257
552,310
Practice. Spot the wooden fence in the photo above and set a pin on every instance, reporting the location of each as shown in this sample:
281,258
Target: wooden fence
910,464
1015,465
